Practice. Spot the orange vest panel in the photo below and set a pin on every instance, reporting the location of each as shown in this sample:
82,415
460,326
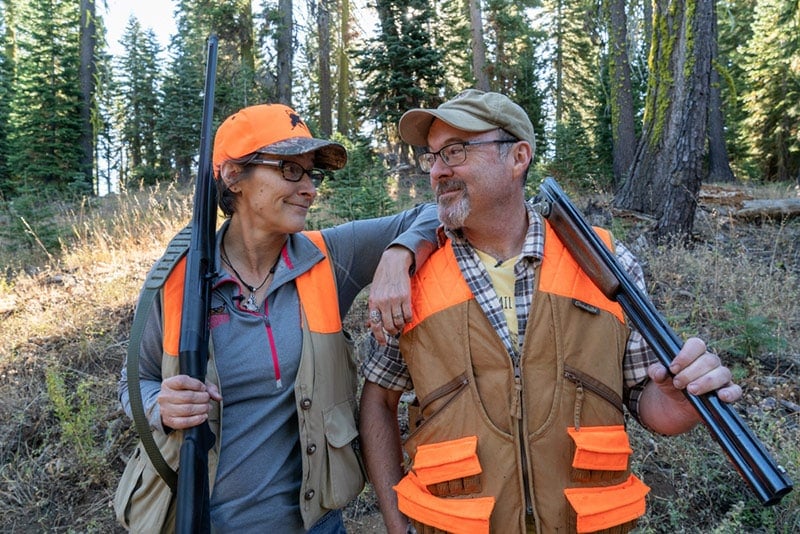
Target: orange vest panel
316,289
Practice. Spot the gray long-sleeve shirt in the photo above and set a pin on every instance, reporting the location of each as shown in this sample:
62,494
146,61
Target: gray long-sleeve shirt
258,478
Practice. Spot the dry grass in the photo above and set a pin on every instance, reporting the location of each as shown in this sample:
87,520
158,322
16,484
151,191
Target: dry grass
65,321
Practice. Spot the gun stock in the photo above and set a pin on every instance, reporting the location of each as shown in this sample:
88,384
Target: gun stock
192,507
768,480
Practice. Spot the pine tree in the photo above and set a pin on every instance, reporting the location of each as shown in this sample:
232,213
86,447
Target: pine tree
182,110
107,146
47,101
6,95
139,82
399,67
772,101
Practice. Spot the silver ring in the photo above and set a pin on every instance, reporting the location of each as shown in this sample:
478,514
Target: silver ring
397,316
375,316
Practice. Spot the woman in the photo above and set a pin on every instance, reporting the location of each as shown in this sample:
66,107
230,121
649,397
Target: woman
279,357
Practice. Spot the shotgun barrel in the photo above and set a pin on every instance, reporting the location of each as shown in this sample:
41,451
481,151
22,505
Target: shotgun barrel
767,479
192,506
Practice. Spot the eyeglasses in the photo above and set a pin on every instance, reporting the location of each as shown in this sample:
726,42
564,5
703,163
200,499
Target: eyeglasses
291,171
454,154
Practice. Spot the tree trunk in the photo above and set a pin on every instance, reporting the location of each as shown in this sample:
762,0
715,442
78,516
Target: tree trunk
285,51
668,167
88,67
325,98
623,128
247,47
719,167
343,93
478,46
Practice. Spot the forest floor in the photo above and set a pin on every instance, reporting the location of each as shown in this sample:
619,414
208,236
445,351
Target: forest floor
64,329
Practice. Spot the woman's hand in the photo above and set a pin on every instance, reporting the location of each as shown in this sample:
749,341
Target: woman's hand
390,293
185,401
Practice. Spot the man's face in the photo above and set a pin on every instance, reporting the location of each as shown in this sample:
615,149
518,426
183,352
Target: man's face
462,189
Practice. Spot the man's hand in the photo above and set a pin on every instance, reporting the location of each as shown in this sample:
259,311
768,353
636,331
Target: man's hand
184,402
664,408
390,293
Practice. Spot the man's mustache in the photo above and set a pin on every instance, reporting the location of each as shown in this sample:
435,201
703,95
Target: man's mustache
448,187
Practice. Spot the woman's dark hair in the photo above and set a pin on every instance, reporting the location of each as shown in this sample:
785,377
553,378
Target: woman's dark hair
226,198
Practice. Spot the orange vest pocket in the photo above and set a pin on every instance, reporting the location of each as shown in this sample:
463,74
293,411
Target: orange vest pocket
604,507
603,448
452,515
447,460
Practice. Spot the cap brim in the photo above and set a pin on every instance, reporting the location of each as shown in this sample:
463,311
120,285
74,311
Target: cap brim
415,124
327,154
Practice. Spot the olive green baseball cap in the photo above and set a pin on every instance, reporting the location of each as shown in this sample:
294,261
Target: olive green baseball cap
472,111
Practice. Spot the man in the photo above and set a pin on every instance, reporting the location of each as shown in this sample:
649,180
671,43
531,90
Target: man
519,364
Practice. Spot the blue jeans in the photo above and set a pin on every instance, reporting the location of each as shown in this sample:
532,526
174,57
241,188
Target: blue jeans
330,523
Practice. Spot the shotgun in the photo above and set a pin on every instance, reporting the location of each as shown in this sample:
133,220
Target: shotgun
767,480
192,506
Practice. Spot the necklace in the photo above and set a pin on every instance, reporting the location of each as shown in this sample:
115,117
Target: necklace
250,305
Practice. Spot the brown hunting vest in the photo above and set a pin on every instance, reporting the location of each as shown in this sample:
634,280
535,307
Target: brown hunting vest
569,377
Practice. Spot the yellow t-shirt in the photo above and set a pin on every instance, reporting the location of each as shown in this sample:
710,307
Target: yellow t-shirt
502,277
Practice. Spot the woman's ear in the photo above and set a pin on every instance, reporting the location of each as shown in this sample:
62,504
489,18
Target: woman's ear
230,173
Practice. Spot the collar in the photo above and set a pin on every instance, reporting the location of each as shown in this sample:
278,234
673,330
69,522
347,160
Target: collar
532,247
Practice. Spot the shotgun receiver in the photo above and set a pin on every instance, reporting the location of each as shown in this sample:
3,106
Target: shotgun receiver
767,480
192,506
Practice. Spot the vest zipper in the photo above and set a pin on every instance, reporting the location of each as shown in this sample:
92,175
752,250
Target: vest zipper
583,380
518,413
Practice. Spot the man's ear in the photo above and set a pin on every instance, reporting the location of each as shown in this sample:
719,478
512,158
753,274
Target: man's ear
523,152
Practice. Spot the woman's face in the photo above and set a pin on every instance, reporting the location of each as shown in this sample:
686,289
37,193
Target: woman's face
267,201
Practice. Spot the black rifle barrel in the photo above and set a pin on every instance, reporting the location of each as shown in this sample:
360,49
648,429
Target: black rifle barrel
767,479
192,508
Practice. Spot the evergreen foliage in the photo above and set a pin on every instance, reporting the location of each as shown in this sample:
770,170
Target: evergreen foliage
772,124
179,124
551,56
6,94
139,79
359,191
399,66
45,109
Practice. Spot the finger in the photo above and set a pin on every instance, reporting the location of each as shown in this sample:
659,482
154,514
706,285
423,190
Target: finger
713,380
691,350
213,391
407,312
375,316
378,333
182,383
703,374
730,393
397,322
657,373
181,423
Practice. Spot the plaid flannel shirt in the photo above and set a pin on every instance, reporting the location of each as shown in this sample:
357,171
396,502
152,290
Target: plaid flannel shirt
385,366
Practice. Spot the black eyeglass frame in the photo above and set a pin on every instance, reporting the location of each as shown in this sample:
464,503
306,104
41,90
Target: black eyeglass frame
429,158
316,175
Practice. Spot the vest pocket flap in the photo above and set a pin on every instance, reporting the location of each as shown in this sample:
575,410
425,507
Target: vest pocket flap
605,507
600,447
452,515
447,460
340,425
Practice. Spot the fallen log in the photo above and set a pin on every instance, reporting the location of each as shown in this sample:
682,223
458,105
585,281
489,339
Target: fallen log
774,209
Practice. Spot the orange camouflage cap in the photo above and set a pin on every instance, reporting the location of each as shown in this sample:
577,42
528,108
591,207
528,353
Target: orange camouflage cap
272,129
